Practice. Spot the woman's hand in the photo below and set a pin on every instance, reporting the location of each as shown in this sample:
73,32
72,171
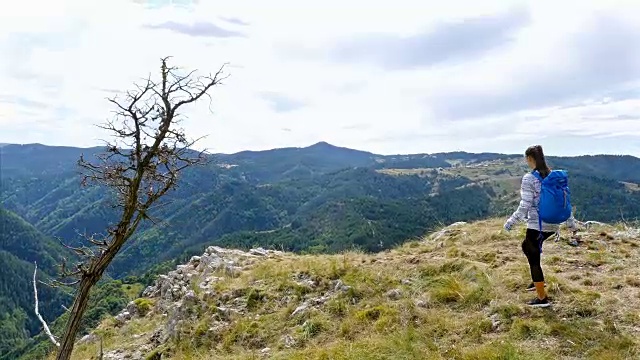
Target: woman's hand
509,224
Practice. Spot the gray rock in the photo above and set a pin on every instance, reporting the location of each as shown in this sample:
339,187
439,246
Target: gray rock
166,287
223,312
300,309
137,355
320,300
89,338
179,269
116,355
310,283
123,317
340,286
394,294
288,341
259,252
194,261
132,308
190,298
209,262
151,292
495,322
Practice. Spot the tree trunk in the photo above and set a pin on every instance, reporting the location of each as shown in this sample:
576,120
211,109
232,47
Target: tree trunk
73,325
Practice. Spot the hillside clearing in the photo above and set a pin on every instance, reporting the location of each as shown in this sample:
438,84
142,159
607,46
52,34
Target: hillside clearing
631,186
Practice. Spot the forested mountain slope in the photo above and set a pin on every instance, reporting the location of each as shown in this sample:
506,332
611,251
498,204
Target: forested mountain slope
320,198
20,245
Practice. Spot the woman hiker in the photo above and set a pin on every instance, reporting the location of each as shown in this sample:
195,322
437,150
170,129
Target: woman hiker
528,211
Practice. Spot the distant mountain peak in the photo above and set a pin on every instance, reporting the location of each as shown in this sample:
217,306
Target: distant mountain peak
323,144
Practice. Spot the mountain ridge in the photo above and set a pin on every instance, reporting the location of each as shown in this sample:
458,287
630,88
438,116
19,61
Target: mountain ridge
325,144
270,198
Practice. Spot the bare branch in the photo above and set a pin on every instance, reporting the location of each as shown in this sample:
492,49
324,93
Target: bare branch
56,283
44,323
101,244
202,87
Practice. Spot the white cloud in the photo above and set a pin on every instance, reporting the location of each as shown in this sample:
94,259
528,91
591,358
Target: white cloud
500,76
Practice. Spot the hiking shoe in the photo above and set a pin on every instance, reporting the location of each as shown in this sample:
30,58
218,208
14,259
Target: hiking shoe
532,287
537,303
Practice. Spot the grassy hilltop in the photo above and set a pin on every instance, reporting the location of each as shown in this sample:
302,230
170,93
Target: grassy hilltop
455,294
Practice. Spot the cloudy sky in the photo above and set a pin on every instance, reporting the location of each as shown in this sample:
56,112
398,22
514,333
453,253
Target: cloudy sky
388,77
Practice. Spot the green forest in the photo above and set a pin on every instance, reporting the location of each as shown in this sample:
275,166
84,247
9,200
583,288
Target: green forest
318,199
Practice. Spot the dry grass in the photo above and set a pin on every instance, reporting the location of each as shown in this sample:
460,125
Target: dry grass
632,186
461,297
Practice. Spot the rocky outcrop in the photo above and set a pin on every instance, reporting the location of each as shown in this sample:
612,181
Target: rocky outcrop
182,295
173,296
203,271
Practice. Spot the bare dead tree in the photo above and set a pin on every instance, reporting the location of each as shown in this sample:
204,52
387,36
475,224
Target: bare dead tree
140,166
37,310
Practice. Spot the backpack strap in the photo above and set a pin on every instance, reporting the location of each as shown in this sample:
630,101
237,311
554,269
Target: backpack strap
539,232
539,177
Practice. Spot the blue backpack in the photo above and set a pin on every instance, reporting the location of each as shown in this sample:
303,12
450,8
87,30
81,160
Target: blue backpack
555,198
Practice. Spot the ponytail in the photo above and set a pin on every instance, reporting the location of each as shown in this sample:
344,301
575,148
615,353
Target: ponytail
537,154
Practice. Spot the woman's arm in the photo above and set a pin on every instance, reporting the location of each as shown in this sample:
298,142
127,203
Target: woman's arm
527,192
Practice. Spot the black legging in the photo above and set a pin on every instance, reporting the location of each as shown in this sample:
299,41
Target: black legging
531,247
